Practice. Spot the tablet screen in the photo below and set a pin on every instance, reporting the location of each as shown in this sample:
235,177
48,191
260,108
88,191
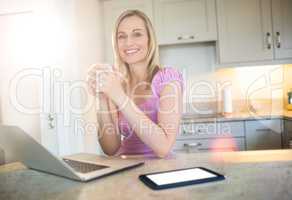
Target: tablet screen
180,176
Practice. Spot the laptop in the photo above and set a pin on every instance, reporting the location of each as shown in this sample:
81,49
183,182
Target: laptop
81,167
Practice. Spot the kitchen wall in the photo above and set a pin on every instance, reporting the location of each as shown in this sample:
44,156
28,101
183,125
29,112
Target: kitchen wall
259,86
196,62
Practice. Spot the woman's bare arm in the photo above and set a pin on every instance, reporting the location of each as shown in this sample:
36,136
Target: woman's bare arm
108,134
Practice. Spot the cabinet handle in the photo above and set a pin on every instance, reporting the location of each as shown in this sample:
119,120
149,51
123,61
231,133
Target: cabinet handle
263,130
186,37
192,145
192,132
268,40
278,40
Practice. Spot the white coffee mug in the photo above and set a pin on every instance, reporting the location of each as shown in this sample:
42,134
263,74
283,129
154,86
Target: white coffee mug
99,83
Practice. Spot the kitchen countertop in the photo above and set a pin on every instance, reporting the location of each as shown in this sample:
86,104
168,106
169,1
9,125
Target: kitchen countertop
256,175
236,116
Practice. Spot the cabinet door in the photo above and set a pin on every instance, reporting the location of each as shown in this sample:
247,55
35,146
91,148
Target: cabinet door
287,136
112,10
2,159
264,134
183,21
282,25
244,30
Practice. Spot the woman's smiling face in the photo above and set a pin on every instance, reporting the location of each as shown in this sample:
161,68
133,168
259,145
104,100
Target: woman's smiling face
132,39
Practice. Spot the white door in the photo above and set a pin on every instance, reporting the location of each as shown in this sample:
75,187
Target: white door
36,38
22,58
282,24
244,30
112,9
178,21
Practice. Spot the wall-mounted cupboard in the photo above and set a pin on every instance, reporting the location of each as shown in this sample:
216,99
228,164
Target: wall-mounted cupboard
254,30
245,31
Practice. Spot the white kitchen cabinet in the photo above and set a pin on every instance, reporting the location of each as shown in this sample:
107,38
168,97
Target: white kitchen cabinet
263,134
282,28
112,9
244,30
254,30
185,21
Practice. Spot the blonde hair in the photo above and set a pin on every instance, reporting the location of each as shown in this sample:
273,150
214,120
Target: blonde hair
153,52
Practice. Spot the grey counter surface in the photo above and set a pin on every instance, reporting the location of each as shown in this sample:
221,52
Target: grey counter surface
236,116
257,175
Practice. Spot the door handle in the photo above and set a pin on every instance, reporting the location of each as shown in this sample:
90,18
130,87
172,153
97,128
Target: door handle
50,117
51,121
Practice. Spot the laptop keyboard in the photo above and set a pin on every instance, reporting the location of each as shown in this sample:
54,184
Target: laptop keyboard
83,167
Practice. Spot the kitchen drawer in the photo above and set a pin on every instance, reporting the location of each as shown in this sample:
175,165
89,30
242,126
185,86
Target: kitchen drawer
218,144
211,130
264,134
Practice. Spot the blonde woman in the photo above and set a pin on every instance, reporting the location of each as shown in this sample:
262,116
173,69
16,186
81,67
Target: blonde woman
140,102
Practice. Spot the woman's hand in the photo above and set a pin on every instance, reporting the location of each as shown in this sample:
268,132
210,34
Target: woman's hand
93,87
105,80
110,83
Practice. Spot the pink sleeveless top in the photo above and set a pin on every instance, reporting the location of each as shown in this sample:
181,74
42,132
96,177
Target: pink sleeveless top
131,144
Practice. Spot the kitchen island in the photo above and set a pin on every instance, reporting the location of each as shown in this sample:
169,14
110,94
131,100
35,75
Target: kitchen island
258,175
